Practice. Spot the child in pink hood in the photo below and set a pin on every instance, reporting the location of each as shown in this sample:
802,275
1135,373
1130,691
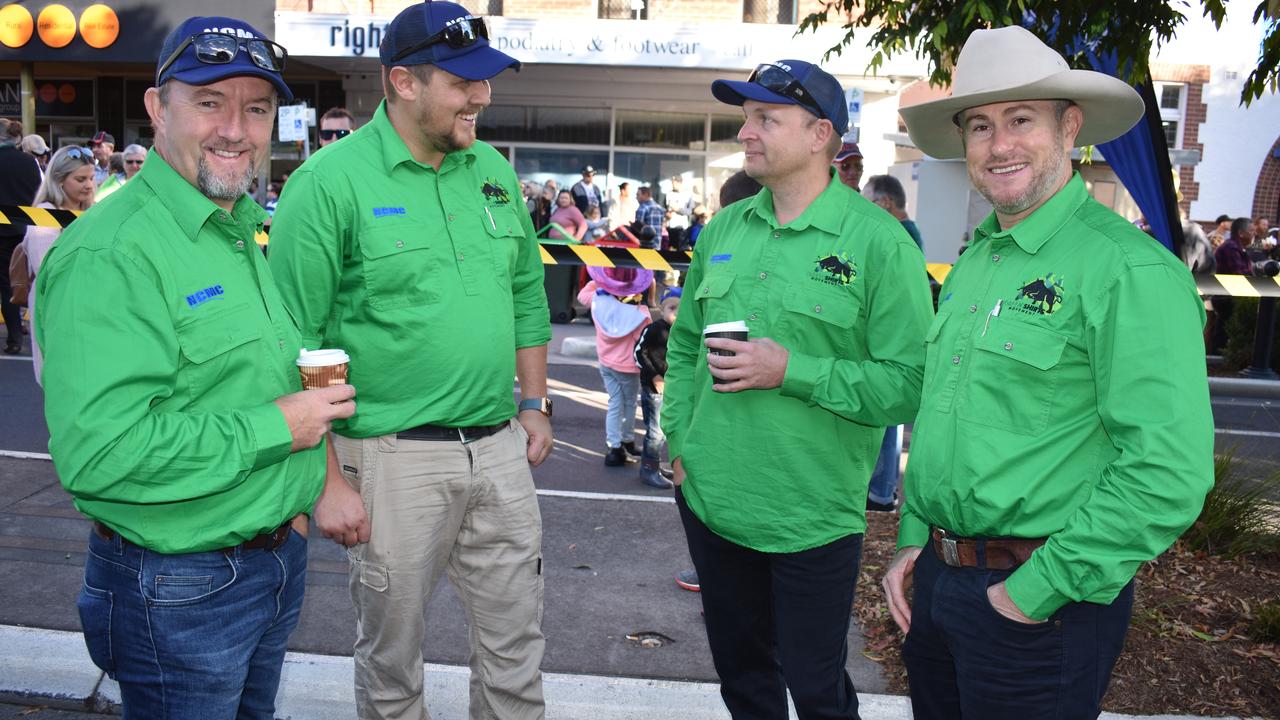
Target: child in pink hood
616,299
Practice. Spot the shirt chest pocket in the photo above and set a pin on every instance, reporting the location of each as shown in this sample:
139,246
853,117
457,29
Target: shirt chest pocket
819,322
220,351
1013,378
398,266
713,299
505,235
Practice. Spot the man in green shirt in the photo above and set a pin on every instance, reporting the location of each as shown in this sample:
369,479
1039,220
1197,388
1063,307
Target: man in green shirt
773,461
1065,434
407,245
176,416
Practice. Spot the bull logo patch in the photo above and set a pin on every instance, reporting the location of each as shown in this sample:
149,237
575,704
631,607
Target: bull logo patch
835,270
494,193
1041,296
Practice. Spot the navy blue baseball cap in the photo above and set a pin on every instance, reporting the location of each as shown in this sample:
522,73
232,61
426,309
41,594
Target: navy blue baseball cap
790,82
446,35
180,56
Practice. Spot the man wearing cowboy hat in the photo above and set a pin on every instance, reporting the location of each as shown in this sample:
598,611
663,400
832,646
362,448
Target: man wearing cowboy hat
1064,435
774,438
407,245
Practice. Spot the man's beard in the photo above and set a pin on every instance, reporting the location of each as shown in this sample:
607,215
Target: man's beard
219,188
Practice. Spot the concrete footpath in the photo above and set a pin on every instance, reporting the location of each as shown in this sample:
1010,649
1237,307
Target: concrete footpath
52,668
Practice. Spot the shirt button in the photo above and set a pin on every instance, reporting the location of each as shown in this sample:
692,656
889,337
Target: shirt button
223,216
1008,346
973,308
753,316
995,258
777,235
450,218
240,244
955,359
399,243
460,257
764,275
281,344
817,308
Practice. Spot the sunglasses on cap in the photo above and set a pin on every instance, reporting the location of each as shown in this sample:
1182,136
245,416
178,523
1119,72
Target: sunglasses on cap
216,48
457,35
331,134
776,80
76,152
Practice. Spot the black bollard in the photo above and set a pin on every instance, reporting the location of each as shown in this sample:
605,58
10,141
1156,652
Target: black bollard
1263,339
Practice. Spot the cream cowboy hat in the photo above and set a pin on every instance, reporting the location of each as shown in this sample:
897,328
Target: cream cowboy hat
1009,63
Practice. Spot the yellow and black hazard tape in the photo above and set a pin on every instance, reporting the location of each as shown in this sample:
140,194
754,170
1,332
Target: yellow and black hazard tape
598,256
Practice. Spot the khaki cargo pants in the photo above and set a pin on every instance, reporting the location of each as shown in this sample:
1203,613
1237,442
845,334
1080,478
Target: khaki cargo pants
444,506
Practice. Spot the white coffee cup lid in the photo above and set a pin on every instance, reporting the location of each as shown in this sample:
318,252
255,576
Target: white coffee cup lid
735,326
322,358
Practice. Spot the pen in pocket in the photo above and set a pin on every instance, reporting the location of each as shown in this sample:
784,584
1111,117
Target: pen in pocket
491,222
995,312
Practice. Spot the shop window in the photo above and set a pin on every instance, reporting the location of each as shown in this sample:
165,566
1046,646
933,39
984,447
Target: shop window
582,126
681,131
1172,100
782,12
724,132
623,10
1170,132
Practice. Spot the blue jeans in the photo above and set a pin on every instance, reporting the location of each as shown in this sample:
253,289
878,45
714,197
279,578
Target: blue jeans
965,660
884,479
198,636
620,421
654,439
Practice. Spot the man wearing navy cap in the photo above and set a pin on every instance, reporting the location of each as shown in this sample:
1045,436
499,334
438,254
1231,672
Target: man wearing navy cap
408,245
177,420
773,473
848,164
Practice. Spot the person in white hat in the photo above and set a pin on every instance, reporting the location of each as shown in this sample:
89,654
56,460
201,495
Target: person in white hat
1064,435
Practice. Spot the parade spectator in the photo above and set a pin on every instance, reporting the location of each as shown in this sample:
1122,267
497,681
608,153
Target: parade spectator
848,164
700,218
103,145
19,180
35,146
1197,251
1064,435
679,206
134,156
439,310
1232,256
177,422
772,443
622,212
567,216
651,357
1261,227
585,193
115,180
1220,231
544,205
615,297
335,124
597,227
651,215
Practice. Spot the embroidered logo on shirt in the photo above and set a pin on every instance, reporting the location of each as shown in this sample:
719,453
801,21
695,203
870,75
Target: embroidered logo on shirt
494,193
204,296
1041,296
835,269
387,211
717,259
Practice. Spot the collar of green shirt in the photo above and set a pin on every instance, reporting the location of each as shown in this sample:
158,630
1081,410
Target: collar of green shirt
395,152
188,206
1035,230
826,212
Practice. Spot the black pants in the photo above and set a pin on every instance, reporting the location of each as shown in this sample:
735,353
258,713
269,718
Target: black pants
966,661
777,621
12,313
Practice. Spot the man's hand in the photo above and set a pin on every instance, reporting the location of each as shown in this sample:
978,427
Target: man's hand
539,428
659,383
759,363
896,582
340,512
999,598
677,471
311,412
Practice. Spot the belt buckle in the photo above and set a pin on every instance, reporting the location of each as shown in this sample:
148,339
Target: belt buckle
462,435
950,554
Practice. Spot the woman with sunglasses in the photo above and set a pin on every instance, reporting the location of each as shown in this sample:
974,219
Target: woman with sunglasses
68,185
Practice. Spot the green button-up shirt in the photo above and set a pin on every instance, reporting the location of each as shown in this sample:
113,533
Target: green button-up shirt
429,280
844,289
165,343
1064,397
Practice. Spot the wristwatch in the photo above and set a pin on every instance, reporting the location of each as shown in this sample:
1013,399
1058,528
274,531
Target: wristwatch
542,405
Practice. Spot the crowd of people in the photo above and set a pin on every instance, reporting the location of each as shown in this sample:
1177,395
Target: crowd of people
1062,429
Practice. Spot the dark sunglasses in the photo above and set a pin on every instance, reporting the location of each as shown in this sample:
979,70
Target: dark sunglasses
132,162
457,35
78,153
215,48
331,134
775,79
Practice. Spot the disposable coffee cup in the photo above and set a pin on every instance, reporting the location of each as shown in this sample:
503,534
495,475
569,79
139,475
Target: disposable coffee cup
322,368
736,330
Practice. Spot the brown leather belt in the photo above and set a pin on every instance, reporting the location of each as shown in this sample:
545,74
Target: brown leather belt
264,541
984,553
